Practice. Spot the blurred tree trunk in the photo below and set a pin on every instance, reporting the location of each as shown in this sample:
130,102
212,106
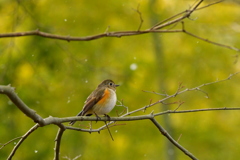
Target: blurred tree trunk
161,70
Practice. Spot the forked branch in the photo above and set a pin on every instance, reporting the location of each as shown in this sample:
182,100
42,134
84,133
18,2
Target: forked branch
9,91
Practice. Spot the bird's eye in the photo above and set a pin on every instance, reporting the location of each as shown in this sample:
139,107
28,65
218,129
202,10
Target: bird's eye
111,84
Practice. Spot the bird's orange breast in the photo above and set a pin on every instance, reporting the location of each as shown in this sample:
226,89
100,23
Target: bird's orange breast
105,98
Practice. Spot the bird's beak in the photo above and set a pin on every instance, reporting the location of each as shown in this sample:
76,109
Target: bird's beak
116,85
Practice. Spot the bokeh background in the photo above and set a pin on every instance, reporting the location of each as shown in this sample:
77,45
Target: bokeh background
54,77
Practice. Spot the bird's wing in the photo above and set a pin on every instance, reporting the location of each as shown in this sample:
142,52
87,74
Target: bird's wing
91,101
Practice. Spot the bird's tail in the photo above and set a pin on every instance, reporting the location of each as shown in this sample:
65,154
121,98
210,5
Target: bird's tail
79,114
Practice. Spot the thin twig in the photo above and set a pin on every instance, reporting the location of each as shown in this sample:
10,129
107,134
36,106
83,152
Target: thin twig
169,22
21,140
121,104
140,16
108,130
170,18
179,104
166,20
178,90
196,110
3,145
146,107
179,138
208,5
212,42
156,93
75,158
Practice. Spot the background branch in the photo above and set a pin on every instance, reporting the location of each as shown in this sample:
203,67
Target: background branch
155,29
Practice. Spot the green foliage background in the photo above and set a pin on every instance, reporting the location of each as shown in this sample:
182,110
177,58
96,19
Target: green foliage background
54,77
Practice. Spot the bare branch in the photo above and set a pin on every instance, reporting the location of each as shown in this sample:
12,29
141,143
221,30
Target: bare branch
208,5
88,38
146,106
179,137
162,130
121,104
3,145
167,135
75,158
108,130
168,22
140,16
196,110
21,140
10,92
129,118
58,141
58,121
82,130
155,29
212,42
156,93
179,104
183,91
169,111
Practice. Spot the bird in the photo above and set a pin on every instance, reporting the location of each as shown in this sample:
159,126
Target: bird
101,101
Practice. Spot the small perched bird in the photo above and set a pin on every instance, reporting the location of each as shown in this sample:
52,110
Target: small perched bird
101,101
